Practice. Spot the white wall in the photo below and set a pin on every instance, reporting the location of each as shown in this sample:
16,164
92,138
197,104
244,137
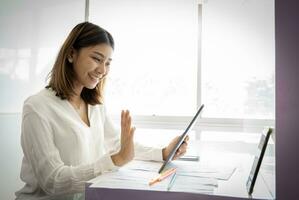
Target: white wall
31,33
11,155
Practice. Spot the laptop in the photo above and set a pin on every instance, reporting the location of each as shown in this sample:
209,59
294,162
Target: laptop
258,160
181,140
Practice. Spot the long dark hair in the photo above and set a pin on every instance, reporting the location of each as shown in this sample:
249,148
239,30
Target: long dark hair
62,76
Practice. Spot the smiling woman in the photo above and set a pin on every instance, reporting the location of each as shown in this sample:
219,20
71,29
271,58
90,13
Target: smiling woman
91,64
87,48
67,136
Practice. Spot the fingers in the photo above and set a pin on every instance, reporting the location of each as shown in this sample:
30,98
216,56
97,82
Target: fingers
122,120
126,152
179,154
183,148
181,151
132,131
126,122
186,139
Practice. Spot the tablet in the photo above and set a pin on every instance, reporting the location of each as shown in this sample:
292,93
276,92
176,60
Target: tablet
258,160
181,140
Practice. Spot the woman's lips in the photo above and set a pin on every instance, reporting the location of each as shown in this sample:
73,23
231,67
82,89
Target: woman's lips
94,78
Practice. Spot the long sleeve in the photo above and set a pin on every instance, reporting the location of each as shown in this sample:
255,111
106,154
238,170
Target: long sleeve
52,175
147,153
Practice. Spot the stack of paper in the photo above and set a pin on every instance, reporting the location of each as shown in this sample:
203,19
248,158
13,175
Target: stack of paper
186,168
190,177
129,179
194,184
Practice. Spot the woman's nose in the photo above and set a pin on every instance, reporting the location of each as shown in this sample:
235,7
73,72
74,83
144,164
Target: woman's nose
101,69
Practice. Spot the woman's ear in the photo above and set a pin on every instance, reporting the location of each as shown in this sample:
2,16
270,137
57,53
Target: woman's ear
70,59
72,55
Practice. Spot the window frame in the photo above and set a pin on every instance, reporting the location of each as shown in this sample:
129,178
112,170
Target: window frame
203,124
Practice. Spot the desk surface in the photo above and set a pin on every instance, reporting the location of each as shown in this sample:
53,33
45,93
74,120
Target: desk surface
218,153
211,155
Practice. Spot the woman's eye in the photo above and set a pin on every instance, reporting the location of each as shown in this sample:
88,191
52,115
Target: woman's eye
97,59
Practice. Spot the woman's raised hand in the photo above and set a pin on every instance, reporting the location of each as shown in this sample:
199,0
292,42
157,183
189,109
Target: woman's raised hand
126,153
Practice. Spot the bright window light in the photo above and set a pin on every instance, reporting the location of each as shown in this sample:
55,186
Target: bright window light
154,67
238,59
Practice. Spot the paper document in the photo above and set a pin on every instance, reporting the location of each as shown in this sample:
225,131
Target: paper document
202,170
137,174
129,179
186,168
144,165
139,180
194,184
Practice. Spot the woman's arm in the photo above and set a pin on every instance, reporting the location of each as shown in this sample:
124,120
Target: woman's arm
53,176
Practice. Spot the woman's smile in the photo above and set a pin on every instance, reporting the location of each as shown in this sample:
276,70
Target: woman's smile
94,78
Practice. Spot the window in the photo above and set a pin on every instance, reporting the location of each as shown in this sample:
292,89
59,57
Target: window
238,59
173,55
155,60
31,34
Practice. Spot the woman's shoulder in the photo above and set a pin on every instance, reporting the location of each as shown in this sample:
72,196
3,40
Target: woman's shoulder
39,96
39,101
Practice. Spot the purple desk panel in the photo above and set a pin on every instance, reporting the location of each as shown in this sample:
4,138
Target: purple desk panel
124,194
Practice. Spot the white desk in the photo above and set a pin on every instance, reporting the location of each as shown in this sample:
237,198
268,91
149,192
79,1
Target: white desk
213,153
217,153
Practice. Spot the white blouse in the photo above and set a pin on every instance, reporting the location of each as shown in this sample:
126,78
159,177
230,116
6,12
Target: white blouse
61,152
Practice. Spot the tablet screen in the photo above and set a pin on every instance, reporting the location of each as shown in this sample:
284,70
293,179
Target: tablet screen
181,140
258,160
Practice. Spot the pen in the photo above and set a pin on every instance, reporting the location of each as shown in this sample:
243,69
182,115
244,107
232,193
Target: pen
162,176
170,184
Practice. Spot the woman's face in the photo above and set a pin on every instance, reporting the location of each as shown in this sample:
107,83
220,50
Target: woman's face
91,64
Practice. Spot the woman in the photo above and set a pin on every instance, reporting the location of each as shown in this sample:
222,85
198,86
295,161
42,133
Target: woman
67,136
